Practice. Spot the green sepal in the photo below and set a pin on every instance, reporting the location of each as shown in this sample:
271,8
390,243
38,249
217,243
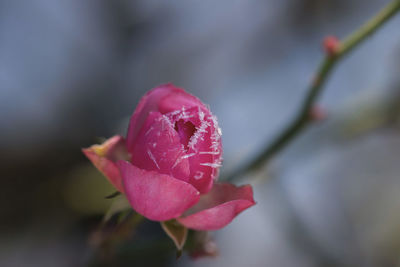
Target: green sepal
177,232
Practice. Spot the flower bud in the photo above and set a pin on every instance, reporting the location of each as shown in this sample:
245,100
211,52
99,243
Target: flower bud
168,164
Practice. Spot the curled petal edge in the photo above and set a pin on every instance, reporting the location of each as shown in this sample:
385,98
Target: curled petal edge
219,207
105,155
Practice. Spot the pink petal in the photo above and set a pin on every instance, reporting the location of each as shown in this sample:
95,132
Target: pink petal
218,208
178,99
204,148
207,160
165,98
156,196
158,148
104,157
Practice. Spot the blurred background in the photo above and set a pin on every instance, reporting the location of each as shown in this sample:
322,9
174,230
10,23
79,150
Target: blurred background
72,72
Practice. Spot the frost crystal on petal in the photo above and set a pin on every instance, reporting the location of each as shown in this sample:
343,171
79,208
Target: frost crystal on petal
149,130
165,120
177,161
209,152
198,175
152,158
200,131
200,137
167,125
188,155
216,135
212,165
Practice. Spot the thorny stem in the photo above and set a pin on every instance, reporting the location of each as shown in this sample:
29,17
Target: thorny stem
323,71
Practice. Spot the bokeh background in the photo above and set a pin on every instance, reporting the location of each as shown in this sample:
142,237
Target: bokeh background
72,72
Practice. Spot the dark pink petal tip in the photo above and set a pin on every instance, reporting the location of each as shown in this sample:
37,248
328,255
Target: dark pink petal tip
104,157
219,207
158,197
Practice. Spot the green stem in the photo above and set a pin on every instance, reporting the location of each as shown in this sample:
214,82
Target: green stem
369,27
322,73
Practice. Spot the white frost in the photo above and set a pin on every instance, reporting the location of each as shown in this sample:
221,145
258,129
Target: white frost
200,131
212,165
198,175
152,158
149,130
209,152
177,161
188,155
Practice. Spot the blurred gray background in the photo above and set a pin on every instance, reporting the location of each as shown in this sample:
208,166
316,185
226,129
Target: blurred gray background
73,71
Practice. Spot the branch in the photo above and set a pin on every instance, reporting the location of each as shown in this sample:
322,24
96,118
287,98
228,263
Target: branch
335,51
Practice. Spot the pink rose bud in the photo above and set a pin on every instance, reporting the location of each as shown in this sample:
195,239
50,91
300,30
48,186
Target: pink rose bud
331,45
170,160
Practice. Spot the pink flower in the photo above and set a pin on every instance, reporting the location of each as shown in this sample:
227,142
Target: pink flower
168,164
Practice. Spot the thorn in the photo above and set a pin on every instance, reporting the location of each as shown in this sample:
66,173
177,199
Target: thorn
116,193
331,45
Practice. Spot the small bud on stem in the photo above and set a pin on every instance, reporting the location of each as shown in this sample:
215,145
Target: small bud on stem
331,45
317,113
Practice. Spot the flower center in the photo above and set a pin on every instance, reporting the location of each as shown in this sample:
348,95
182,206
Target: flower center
185,131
